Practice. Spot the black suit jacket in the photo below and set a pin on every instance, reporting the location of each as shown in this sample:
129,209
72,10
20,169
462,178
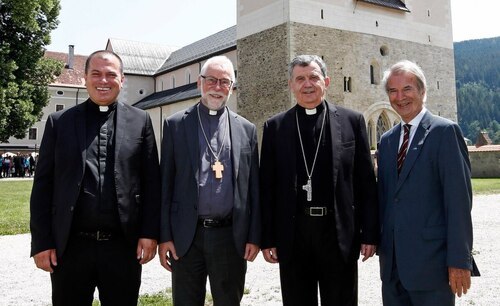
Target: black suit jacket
354,186
61,167
180,159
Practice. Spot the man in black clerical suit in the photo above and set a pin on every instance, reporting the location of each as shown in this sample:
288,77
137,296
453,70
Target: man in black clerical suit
96,197
210,213
318,192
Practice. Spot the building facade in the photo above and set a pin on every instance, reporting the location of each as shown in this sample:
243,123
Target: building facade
358,40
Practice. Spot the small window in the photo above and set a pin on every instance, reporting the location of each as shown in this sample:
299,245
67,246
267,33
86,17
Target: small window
384,50
322,14
60,93
347,84
437,84
59,107
141,91
374,73
32,133
173,82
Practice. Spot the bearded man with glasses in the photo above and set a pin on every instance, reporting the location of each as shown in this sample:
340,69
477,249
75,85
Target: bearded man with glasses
210,215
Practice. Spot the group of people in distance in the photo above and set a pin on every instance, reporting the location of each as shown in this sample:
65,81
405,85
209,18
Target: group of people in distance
103,204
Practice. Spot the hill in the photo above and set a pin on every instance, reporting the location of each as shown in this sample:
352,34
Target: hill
477,69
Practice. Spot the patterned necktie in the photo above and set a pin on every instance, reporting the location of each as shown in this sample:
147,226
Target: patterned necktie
404,147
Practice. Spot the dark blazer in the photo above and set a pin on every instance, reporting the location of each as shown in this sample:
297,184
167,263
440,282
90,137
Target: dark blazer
61,167
180,159
426,211
354,185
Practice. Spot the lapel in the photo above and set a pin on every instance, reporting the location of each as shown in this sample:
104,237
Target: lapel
121,127
80,128
288,143
415,147
235,128
190,123
392,152
336,139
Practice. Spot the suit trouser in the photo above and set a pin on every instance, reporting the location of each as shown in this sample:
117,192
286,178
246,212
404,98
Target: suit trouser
316,260
110,265
395,294
212,253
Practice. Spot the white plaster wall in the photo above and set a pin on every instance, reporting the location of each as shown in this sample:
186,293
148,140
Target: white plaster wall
68,99
350,15
132,86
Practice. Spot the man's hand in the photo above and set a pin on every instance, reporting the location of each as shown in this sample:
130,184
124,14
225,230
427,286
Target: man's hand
270,255
459,280
44,259
368,250
166,251
251,251
146,250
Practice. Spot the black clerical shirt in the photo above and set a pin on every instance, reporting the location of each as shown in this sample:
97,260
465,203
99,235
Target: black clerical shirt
322,175
96,208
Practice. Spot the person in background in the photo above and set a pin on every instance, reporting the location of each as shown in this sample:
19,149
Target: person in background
95,203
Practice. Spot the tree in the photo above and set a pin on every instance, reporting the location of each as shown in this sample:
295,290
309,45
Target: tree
25,27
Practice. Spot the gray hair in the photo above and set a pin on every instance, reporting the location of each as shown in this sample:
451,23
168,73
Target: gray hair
406,66
305,60
222,60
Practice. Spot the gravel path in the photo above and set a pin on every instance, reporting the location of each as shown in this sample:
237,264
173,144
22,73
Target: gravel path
22,284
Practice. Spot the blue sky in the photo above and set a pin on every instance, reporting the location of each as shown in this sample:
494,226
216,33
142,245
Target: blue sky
88,24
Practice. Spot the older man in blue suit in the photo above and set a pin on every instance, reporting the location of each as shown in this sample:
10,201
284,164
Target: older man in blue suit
425,199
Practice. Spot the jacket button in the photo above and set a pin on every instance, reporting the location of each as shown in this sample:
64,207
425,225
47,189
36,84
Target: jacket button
71,208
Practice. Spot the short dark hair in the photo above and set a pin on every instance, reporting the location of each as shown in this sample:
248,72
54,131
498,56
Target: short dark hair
305,60
87,62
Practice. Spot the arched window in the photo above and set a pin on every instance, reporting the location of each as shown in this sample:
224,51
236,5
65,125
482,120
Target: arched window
370,133
382,125
188,76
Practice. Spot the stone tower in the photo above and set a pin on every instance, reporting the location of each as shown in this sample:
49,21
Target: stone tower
358,40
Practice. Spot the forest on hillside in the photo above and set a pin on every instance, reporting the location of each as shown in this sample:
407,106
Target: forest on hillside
477,70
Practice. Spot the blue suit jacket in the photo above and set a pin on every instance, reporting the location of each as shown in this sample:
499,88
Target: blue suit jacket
180,159
425,213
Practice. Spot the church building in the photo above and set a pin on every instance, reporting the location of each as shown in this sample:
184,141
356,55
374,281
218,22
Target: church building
358,40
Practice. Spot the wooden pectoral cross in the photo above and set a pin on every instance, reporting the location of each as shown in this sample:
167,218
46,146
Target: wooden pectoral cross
308,187
217,167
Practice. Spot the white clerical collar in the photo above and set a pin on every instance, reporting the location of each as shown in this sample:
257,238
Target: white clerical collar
103,109
212,112
311,111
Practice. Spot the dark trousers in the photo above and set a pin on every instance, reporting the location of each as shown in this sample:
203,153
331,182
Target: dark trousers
212,254
317,261
111,266
395,294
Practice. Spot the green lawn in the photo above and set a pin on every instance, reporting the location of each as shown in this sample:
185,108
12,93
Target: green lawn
14,206
486,186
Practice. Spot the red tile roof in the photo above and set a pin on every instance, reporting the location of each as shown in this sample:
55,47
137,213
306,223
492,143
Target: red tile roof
73,76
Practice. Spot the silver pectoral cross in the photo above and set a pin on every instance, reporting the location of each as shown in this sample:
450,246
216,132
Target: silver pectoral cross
308,187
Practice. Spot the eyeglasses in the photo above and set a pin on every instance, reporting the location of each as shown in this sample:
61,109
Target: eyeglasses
211,81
